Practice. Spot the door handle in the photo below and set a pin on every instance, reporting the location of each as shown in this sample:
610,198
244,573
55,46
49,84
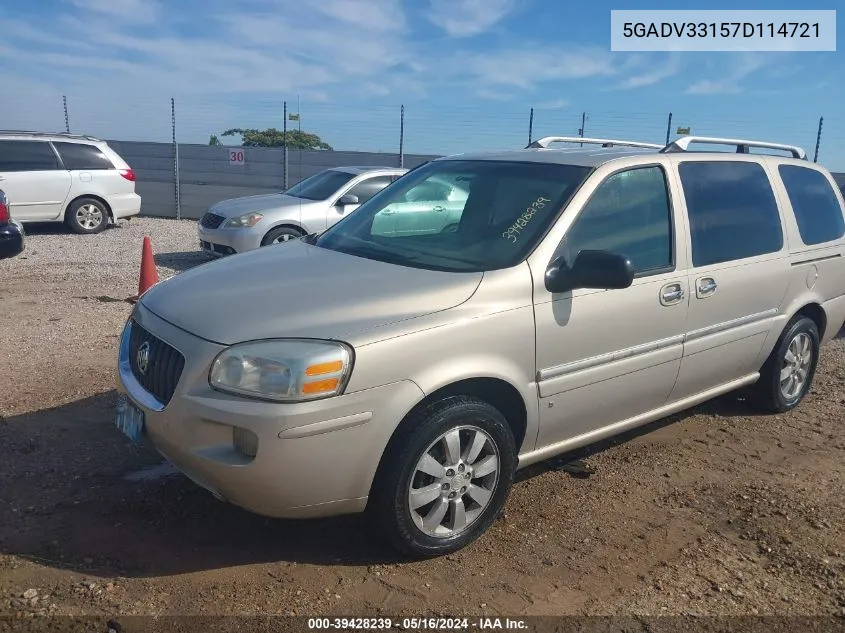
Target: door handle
671,294
705,287
388,212
439,209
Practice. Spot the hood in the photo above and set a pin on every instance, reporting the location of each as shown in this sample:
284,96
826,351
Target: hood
265,202
300,290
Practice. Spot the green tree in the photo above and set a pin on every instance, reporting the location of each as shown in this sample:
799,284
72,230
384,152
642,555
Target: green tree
272,137
214,140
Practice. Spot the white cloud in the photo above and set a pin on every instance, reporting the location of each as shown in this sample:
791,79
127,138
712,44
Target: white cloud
554,104
732,79
656,73
127,11
385,15
524,68
466,18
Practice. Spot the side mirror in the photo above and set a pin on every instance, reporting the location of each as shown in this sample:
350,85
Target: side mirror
347,199
591,269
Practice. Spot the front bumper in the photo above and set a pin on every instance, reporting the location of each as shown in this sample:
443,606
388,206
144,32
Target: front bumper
313,459
228,241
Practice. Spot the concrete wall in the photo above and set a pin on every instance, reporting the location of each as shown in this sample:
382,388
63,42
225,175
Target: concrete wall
206,175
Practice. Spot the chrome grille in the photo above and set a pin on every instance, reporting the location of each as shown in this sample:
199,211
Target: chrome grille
164,364
211,220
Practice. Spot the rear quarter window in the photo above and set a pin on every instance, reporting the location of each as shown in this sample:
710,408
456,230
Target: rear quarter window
732,211
79,156
814,202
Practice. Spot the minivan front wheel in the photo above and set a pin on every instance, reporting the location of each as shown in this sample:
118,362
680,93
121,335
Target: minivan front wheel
86,216
788,373
448,478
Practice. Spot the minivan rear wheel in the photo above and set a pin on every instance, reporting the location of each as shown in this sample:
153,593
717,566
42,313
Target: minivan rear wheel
447,478
788,373
86,216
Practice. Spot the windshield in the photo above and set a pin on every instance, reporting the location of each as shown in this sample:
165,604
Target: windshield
458,215
320,186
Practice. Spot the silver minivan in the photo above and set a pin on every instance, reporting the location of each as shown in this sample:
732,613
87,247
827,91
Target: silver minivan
574,295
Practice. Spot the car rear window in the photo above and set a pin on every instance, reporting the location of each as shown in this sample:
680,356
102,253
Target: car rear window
320,186
817,209
80,156
27,156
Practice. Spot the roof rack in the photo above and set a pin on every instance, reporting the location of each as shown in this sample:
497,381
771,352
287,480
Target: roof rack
37,133
742,146
604,142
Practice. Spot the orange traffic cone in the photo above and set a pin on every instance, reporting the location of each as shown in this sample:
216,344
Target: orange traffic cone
149,273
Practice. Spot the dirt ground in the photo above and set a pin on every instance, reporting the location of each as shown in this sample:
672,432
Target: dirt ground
718,511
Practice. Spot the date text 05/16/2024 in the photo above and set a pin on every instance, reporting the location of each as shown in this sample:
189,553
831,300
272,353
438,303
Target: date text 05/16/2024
417,624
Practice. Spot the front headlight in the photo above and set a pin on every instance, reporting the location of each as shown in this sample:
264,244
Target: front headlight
250,219
283,370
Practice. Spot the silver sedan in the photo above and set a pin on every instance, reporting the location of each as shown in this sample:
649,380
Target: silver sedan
313,205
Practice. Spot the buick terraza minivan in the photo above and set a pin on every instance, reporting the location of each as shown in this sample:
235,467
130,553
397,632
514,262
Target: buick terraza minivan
409,370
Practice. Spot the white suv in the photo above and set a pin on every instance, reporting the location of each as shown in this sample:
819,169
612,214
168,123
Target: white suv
78,180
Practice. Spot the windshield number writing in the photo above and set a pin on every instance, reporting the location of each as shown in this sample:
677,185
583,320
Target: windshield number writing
514,230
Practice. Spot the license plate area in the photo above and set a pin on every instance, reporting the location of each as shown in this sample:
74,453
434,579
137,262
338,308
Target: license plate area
129,419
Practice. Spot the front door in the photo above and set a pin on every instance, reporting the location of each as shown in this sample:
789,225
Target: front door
738,274
604,356
363,190
32,179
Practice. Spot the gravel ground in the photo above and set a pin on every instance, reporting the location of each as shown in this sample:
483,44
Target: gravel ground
722,512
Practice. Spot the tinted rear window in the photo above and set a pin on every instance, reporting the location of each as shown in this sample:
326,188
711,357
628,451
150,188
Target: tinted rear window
732,211
817,209
79,156
27,156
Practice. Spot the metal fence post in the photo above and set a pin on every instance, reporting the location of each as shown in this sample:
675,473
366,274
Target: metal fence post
668,128
530,126
818,140
176,192
67,121
285,145
402,136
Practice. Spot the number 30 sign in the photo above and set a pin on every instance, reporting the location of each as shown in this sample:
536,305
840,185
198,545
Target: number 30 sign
236,157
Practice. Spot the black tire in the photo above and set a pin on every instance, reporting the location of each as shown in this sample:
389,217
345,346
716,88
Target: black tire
87,216
767,393
281,233
389,505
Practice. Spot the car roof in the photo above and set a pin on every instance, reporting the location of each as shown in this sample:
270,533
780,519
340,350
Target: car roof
593,152
47,136
357,170
592,157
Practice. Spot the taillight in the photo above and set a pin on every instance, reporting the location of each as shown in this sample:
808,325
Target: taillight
5,216
128,174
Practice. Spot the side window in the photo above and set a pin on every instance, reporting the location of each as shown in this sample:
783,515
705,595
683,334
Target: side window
27,156
79,156
629,214
429,191
366,189
732,211
817,209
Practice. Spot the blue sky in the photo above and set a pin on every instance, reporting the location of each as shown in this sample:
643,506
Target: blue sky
467,71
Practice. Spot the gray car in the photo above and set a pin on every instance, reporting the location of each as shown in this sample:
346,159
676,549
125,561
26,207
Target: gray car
530,302
313,205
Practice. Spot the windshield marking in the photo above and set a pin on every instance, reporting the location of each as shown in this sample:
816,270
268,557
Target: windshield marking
514,230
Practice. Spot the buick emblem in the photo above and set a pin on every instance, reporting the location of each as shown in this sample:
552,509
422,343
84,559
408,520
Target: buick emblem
143,357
